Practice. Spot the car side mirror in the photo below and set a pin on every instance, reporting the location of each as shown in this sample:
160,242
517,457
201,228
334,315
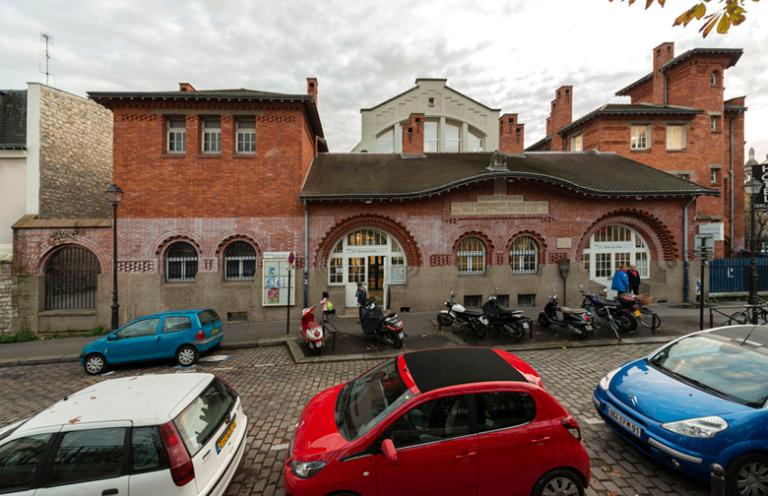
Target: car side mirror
389,450
112,337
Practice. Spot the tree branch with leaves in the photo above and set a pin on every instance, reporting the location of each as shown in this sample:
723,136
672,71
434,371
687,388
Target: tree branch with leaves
727,13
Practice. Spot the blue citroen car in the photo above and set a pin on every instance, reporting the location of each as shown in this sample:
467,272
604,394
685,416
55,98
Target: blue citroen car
181,335
699,400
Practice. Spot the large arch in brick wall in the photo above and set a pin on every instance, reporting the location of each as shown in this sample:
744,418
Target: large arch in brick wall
390,226
661,241
105,263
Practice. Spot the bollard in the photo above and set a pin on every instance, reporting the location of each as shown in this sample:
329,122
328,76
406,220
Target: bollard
717,479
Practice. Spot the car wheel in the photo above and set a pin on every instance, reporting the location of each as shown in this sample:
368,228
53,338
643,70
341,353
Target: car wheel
559,483
186,355
748,475
95,364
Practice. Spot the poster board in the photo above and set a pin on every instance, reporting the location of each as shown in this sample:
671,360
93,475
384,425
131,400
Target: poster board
760,172
274,283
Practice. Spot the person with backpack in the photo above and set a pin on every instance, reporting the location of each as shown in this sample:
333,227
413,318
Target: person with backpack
620,282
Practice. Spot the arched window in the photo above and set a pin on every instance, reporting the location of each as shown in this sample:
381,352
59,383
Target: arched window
470,256
611,246
524,255
239,261
180,262
714,79
71,275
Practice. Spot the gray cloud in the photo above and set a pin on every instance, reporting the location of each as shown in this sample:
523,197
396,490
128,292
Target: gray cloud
510,54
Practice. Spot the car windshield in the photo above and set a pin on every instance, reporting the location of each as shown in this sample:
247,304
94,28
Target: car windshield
719,364
364,402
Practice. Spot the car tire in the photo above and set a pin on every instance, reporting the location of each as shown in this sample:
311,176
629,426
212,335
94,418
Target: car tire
559,482
753,465
95,364
187,355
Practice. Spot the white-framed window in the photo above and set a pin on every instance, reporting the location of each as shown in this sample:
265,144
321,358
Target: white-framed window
176,133
336,270
475,140
366,237
397,269
640,137
431,136
714,123
245,135
470,256
614,245
714,175
211,135
180,262
676,137
239,261
524,255
452,143
347,260
577,143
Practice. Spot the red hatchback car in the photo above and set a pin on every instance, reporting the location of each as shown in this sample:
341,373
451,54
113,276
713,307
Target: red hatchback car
458,421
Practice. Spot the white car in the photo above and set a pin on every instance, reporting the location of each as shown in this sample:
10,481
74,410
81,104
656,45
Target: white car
164,434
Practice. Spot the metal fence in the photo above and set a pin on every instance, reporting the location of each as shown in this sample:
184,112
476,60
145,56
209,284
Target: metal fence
731,275
70,279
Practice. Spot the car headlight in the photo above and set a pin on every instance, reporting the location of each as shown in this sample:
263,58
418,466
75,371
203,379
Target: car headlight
305,470
702,427
606,381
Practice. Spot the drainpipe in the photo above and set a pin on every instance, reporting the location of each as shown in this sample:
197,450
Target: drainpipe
666,88
306,253
686,263
730,188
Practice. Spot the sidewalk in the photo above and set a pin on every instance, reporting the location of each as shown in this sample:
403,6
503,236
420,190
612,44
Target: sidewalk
420,327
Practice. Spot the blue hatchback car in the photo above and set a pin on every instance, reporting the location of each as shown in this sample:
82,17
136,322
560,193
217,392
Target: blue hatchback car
182,335
699,400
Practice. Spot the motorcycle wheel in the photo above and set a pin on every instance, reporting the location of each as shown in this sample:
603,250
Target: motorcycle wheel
543,320
515,331
614,325
478,329
625,321
443,320
579,333
397,343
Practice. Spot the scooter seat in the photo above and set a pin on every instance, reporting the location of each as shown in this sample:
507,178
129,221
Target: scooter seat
604,302
572,310
475,312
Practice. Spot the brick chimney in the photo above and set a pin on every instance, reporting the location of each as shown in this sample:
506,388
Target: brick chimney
413,135
511,134
661,55
186,87
561,115
312,88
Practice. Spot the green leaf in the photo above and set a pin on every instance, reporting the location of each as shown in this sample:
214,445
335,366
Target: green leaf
699,10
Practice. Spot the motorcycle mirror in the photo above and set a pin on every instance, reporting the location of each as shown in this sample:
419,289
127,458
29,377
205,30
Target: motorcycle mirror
389,450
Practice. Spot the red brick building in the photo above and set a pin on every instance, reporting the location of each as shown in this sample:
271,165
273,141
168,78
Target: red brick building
678,121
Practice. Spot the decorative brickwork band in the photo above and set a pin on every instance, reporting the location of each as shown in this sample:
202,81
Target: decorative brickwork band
135,266
237,237
390,226
440,259
179,237
661,241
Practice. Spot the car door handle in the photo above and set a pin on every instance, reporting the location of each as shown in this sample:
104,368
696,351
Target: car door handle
108,492
540,440
465,454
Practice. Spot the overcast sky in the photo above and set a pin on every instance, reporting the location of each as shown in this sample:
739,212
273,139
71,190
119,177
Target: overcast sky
506,54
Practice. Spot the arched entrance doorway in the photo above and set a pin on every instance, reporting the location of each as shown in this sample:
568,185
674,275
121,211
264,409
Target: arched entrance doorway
71,277
369,256
613,245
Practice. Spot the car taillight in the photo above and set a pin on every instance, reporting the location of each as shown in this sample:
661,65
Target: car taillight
200,335
182,470
587,318
572,427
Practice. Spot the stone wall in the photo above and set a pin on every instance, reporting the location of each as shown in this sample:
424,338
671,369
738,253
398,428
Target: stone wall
75,156
7,311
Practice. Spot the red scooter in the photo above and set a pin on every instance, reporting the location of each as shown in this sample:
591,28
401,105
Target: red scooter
312,332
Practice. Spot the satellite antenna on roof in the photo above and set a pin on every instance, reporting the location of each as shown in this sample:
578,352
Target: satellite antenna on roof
47,39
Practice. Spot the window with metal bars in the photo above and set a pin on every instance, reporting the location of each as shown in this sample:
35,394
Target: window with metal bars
180,262
470,256
239,261
71,276
524,255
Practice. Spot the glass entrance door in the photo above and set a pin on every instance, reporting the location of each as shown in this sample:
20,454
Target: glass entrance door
376,281
355,274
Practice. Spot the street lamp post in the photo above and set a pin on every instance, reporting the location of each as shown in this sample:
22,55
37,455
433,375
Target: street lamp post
114,194
753,187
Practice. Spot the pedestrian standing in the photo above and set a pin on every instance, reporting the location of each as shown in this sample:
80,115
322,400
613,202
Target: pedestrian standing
620,282
634,279
362,296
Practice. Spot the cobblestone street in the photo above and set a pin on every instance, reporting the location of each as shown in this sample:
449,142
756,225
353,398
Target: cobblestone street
274,390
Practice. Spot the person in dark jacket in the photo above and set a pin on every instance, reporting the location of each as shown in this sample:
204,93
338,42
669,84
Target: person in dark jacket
362,297
634,280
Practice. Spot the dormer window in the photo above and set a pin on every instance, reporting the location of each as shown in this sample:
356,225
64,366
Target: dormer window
577,143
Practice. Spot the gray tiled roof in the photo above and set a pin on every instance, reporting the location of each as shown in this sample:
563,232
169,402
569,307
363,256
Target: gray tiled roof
632,109
13,119
364,176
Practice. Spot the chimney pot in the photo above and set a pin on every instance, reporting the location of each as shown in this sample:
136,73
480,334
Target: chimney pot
413,135
312,88
186,87
511,134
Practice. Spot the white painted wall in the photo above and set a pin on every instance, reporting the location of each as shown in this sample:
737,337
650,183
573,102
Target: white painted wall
447,104
12,196
33,149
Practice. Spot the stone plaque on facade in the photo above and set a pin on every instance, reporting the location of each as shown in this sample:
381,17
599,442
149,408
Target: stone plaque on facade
563,242
501,205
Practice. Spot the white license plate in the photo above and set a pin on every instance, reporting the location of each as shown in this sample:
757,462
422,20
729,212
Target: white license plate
525,325
624,422
401,335
588,327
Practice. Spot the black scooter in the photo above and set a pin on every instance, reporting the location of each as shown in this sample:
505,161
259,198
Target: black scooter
469,317
577,321
390,329
512,323
611,312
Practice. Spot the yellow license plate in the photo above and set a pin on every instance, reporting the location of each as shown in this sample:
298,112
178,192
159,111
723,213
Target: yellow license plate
215,331
225,437
637,313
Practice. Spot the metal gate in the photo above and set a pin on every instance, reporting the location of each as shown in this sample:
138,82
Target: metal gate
70,279
729,275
